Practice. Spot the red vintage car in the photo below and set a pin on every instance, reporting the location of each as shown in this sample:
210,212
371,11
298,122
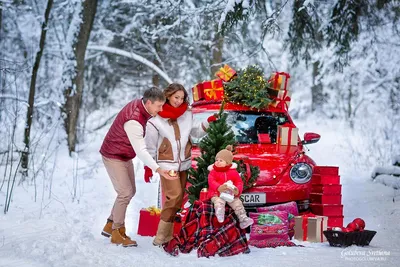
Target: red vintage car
285,171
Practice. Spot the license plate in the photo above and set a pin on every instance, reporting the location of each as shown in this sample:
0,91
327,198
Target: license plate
253,199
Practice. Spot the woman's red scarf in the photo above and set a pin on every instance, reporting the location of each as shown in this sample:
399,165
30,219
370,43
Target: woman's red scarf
222,169
170,112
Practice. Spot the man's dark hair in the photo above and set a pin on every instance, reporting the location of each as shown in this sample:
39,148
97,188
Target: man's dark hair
153,94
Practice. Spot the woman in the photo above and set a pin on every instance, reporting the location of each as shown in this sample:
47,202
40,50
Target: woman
168,141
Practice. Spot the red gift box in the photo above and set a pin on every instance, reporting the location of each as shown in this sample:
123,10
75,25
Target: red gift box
225,73
325,179
327,189
148,221
264,139
325,199
326,170
198,92
335,221
327,210
213,90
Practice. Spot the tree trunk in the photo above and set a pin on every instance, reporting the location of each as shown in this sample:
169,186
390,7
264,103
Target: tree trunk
73,94
156,76
1,16
317,96
216,51
32,88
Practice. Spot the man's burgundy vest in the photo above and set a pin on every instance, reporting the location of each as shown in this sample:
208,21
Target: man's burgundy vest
116,144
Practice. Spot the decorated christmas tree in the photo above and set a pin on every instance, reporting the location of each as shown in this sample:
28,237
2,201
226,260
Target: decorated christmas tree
219,136
250,88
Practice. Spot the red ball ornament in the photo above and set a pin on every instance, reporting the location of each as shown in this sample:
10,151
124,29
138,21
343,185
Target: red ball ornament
360,223
352,226
346,230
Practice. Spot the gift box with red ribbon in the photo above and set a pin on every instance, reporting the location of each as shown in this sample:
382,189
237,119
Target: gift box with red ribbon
198,92
225,73
213,90
282,100
310,228
287,135
279,81
148,221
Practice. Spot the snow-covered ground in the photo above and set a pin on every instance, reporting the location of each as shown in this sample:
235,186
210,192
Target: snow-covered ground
57,231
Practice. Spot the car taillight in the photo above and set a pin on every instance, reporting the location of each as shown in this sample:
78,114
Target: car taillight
301,173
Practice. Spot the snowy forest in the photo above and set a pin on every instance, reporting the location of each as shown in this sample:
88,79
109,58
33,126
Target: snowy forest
67,66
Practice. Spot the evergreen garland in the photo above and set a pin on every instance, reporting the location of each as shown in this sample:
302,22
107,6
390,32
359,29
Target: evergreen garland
249,88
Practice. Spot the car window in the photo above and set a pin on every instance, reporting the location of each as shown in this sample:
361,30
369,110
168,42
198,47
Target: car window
246,125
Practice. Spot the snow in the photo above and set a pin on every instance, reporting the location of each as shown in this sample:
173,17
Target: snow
133,56
64,229
394,170
388,180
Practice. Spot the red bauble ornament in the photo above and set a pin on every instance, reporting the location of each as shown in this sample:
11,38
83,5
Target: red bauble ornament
352,226
360,223
346,230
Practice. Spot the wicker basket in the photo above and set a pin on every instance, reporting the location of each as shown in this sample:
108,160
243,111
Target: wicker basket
342,239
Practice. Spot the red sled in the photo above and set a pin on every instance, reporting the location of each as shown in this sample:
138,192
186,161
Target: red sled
335,221
148,223
327,210
325,199
325,179
327,189
327,170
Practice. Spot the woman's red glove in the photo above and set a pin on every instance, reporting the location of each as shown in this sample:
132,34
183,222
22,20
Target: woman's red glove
148,173
212,118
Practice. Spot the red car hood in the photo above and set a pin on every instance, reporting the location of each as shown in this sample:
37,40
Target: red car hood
273,160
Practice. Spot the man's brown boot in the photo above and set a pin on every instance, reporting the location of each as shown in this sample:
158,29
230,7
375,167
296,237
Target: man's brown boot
107,230
119,237
163,233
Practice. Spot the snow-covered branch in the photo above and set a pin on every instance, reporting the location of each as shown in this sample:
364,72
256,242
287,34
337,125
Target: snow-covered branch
39,102
132,56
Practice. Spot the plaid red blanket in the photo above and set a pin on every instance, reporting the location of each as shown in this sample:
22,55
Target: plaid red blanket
201,230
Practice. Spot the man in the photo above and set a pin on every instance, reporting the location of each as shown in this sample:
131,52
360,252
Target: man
123,142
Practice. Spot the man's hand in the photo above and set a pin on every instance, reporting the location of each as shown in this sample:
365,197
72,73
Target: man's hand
148,173
164,173
222,188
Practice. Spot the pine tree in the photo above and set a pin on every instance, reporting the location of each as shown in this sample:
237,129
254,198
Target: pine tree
249,88
219,136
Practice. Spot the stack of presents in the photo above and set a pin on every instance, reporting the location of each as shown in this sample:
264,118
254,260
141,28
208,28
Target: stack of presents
214,90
